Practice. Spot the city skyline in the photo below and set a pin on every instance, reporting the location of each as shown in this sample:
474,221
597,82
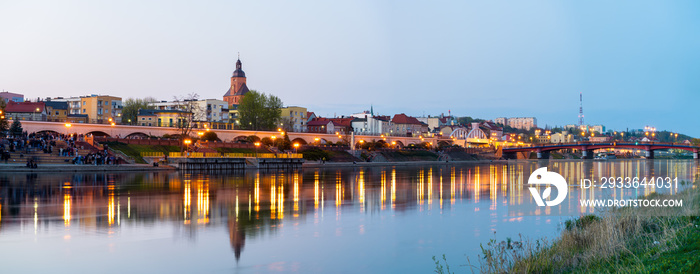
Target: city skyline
634,69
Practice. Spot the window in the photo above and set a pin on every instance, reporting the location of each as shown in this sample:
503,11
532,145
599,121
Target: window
149,118
84,110
57,112
84,103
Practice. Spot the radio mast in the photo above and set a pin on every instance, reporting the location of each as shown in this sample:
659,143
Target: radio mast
580,110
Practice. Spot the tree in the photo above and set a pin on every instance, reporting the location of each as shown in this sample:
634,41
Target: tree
188,107
210,136
16,128
131,108
259,111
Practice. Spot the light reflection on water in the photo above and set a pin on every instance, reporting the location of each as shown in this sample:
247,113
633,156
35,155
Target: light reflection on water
314,220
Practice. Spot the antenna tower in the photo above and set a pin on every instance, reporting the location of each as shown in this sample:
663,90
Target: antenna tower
580,110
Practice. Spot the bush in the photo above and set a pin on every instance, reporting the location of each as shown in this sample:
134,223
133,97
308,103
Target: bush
210,136
582,222
315,154
267,141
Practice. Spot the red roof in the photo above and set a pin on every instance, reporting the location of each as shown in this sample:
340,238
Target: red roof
24,107
318,122
404,119
343,122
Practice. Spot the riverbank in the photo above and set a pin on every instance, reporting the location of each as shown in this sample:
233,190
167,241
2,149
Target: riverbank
318,164
81,168
638,240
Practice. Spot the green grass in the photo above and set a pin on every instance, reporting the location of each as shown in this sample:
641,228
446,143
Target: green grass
683,259
626,240
134,151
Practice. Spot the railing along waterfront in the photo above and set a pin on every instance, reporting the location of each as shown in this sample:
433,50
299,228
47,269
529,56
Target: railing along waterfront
225,155
152,154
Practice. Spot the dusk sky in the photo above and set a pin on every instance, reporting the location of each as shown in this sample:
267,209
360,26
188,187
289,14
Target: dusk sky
637,63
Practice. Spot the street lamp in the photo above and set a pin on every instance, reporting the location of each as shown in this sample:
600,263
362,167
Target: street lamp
296,146
257,144
187,143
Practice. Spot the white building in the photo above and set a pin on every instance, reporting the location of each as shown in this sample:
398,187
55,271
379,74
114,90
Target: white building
206,110
525,123
563,137
367,124
432,122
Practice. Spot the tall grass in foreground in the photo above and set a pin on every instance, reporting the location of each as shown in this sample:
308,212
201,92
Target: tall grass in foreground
634,240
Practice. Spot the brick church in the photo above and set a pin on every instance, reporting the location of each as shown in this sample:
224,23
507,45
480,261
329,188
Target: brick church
238,87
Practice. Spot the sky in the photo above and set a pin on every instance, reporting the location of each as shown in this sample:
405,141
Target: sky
635,62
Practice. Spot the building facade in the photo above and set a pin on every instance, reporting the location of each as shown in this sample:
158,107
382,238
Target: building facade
162,118
525,123
369,124
561,137
26,111
56,111
204,111
294,118
11,97
100,109
320,125
404,125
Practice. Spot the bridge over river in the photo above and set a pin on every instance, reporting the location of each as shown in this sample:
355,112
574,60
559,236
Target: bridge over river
128,131
587,148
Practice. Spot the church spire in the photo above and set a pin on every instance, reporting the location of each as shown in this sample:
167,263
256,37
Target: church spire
239,68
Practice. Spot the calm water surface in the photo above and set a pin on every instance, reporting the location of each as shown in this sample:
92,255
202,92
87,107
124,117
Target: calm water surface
343,220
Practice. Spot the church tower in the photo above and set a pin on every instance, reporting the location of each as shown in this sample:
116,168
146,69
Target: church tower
238,87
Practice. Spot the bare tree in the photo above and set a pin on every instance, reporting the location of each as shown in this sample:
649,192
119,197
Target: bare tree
188,108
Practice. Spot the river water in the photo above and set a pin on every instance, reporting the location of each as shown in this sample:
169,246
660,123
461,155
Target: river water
332,220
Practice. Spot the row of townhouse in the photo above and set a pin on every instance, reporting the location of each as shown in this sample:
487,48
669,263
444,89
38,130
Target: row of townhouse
99,109
368,124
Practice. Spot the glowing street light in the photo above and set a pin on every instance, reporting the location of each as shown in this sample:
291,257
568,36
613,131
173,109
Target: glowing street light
257,144
296,146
